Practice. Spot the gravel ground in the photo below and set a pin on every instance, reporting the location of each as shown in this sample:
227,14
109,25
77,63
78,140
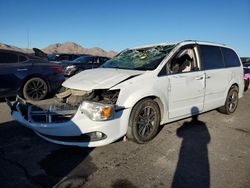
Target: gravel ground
211,152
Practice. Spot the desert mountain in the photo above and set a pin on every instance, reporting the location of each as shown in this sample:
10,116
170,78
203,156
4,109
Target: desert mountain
67,47
9,47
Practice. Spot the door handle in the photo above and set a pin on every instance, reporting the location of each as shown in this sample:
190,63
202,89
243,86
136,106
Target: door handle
22,69
207,77
199,78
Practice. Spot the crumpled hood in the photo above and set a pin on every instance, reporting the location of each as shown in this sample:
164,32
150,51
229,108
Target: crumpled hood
100,78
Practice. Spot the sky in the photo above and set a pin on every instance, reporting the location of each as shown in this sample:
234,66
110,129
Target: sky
119,24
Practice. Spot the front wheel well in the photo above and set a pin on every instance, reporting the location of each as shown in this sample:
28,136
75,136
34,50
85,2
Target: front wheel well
236,85
157,100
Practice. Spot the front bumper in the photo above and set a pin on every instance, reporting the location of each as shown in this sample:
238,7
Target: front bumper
78,130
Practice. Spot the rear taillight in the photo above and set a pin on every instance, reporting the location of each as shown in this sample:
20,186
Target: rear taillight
57,69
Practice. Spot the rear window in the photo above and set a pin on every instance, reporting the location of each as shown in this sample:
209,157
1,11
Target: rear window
211,57
6,57
230,58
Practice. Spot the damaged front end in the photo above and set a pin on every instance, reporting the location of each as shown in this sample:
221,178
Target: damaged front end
65,106
70,116
43,113
98,105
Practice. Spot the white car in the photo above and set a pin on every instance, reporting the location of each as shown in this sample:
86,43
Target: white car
135,92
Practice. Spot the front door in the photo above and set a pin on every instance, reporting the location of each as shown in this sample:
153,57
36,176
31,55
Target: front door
186,93
186,84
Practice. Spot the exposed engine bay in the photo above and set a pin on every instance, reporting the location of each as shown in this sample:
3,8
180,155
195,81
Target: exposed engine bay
75,97
64,106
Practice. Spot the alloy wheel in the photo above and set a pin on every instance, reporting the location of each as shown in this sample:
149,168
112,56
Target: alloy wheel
146,121
35,89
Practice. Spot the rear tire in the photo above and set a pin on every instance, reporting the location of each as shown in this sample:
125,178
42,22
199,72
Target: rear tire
231,101
35,89
144,121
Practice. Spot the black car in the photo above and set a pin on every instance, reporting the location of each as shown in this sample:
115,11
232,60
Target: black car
82,63
55,56
27,75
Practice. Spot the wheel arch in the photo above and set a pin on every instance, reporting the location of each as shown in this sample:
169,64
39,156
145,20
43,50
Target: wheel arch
154,98
130,132
228,89
225,109
230,85
235,84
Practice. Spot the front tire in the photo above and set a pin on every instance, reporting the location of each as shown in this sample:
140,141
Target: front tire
35,89
144,121
231,101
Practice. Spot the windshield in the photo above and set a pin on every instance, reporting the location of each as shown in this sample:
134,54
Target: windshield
139,59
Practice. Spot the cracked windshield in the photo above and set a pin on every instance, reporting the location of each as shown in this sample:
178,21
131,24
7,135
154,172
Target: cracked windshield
139,59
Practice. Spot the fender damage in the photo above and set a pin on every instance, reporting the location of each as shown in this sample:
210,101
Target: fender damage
63,120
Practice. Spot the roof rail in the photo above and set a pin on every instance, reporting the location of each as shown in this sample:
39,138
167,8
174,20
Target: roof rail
203,41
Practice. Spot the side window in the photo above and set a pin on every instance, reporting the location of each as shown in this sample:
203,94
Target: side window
91,60
211,57
6,57
230,58
22,58
63,57
97,60
103,59
184,61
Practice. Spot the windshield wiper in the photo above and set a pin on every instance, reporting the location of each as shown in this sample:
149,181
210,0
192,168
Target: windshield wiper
141,68
117,67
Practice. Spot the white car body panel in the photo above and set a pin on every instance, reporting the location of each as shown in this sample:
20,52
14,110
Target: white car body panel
176,94
185,91
100,78
216,87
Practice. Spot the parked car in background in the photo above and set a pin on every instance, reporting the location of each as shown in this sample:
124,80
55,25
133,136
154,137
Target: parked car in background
245,60
55,57
82,63
62,57
138,90
27,75
246,65
246,75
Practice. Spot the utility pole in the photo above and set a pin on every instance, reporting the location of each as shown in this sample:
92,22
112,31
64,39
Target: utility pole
28,39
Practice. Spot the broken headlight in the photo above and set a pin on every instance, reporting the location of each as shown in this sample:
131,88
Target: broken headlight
97,111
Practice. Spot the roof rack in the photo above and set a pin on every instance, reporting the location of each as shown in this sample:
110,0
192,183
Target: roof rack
203,41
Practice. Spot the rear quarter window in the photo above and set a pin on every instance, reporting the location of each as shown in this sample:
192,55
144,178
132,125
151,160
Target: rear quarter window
211,57
6,57
230,57
22,58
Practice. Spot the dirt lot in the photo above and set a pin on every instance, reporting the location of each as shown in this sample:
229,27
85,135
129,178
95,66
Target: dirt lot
213,152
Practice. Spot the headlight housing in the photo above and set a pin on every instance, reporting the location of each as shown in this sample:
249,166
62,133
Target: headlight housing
71,67
97,111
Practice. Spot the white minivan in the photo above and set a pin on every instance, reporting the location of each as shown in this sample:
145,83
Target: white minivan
136,91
